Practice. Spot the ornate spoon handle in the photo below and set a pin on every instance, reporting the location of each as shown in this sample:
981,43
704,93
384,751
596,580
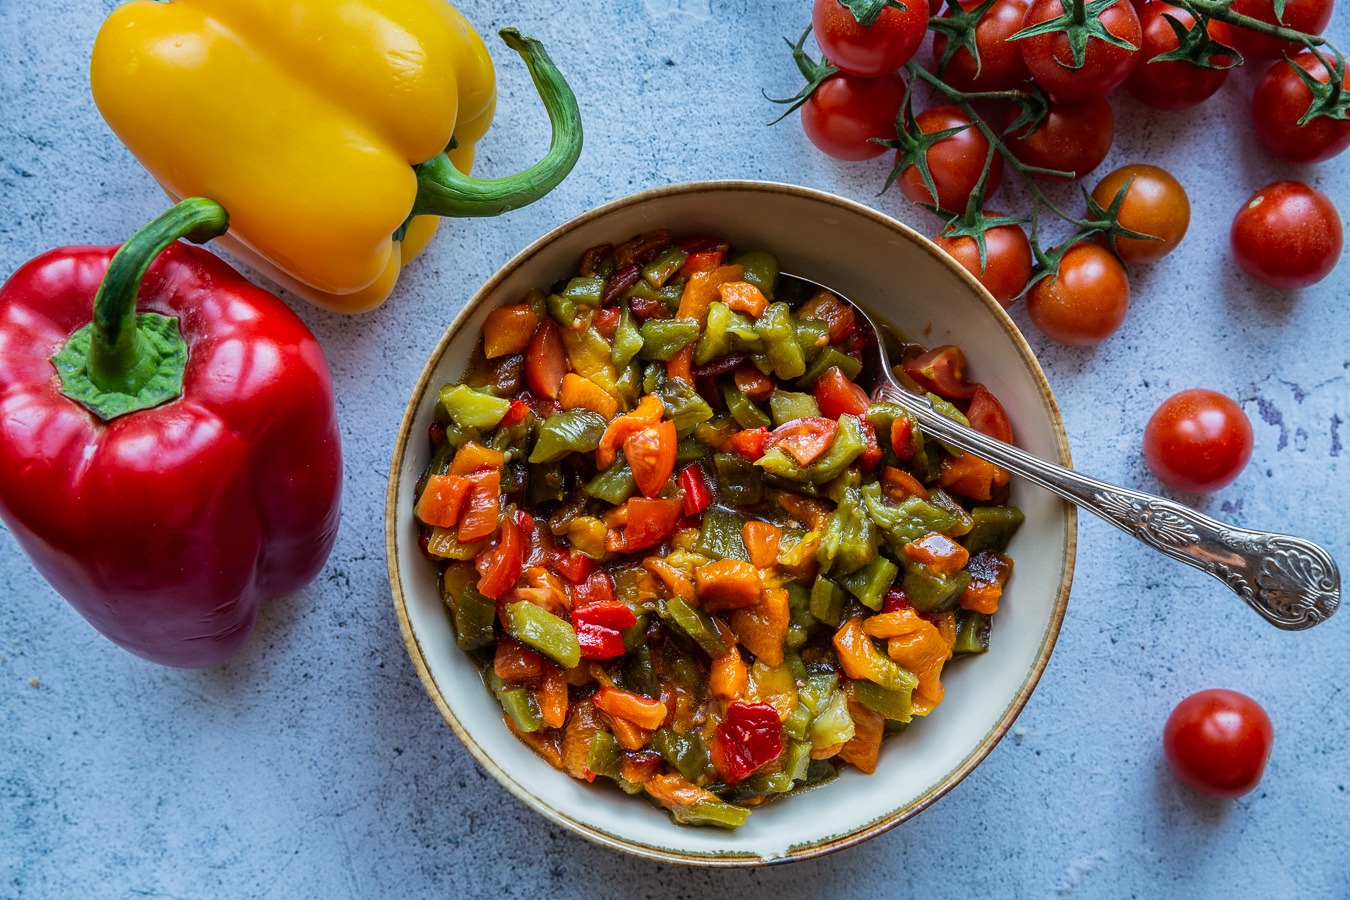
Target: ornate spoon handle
1292,582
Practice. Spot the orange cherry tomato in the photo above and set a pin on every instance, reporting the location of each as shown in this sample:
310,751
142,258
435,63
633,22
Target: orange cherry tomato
1155,203
1086,302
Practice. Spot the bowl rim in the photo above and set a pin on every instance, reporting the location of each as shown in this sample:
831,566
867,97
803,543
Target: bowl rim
730,859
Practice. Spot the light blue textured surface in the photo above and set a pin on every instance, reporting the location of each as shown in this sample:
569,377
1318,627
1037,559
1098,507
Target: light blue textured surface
314,765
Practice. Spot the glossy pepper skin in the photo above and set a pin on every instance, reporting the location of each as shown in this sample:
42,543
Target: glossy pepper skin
166,526
321,126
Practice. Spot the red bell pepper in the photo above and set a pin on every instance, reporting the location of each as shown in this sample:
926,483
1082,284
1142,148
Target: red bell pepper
166,470
747,739
694,492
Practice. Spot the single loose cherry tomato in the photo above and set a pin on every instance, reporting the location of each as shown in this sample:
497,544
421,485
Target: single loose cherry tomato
1281,99
1198,440
1000,66
1086,302
869,50
1287,235
1155,203
1007,264
955,162
1174,83
844,114
1217,742
1311,16
1073,137
1105,66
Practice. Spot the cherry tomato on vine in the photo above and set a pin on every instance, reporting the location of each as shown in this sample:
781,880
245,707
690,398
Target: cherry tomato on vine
1155,204
1000,66
869,50
1074,137
1174,84
845,112
1198,441
1008,259
955,162
1280,100
1287,235
1217,742
1311,16
1086,301
1105,66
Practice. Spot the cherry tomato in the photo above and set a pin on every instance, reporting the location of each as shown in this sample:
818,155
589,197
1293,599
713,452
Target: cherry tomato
845,112
1074,137
1280,100
1105,66
955,162
988,416
1287,235
941,370
546,360
1311,16
804,439
1155,203
1001,67
869,50
651,455
1007,264
1198,441
1173,84
1217,742
836,395
1086,302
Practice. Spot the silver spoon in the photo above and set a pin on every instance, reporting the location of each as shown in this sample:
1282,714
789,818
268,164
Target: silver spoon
1293,583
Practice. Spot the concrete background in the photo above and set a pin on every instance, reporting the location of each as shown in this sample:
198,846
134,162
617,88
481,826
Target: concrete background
314,765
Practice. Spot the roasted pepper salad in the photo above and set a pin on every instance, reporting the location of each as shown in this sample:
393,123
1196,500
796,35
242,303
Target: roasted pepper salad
689,554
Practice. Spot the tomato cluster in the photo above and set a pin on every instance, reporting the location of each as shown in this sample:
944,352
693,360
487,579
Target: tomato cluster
1040,72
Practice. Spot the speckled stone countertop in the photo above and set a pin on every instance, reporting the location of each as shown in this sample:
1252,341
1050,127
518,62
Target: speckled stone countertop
314,765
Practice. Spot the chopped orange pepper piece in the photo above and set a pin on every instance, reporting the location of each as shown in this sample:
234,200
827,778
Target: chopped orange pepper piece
938,552
729,677
674,580
474,456
508,329
899,485
582,725
579,392
743,297
972,477
762,628
643,712
443,500
865,745
858,656
761,541
516,663
629,735
727,584
677,792
919,647
552,696
982,597
648,412
701,290
681,365
543,742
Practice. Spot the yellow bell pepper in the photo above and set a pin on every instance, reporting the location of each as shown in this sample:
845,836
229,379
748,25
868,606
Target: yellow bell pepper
322,126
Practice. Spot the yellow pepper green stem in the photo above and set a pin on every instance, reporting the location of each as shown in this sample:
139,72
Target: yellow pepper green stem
442,190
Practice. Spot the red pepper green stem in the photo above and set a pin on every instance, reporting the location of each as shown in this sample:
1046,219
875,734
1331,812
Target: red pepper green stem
124,360
442,190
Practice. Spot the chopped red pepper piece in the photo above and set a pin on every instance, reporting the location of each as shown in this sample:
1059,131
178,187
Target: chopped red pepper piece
575,567
499,566
871,454
699,262
694,491
479,518
650,522
750,443
748,738
443,500
895,599
902,438
825,307
597,641
517,413
606,321
597,588
607,613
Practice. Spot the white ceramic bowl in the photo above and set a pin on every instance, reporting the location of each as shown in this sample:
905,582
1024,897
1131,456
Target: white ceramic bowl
900,275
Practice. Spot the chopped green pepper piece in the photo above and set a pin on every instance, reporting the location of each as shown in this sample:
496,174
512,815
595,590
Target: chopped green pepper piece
573,431
682,402
473,615
562,309
827,602
743,409
688,450
761,270
546,483
934,593
789,405
687,754
849,540
832,725
517,702
635,635
536,627
720,535
468,408
663,338
727,332
827,359
663,268
870,583
794,726
723,815
695,624
627,340
812,337
994,527
639,675
615,484
585,291
739,483
950,505
669,295
893,704
781,350
604,757
906,521
972,632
